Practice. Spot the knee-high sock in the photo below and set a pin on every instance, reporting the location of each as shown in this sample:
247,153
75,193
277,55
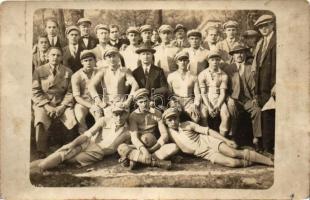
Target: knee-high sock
256,157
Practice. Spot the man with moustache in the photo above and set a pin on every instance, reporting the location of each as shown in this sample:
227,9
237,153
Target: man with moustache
86,41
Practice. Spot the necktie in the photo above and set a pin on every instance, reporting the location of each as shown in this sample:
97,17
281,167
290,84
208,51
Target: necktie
74,51
54,71
53,41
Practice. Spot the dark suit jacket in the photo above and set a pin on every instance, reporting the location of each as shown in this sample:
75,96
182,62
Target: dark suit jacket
73,63
156,78
265,71
60,43
92,43
119,44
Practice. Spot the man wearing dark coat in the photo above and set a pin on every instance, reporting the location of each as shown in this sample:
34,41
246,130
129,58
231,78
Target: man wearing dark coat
86,41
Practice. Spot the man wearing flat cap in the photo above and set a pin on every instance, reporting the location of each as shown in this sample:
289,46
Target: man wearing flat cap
146,32
197,54
264,67
213,86
101,140
180,37
130,56
148,75
143,123
185,90
117,82
250,38
165,52
71,52
86,41
241,93
52,98
231,30
80,81
102,32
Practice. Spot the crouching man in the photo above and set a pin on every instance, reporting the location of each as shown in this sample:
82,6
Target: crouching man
146,148
91,147
203,142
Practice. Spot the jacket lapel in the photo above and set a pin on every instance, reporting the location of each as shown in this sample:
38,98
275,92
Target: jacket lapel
141,75
271,44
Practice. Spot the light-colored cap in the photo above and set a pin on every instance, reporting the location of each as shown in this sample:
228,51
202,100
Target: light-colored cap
87,53
230,24
170,112
71,28
194,32
264,19
83,20
142,92
146,28
101,26
165,28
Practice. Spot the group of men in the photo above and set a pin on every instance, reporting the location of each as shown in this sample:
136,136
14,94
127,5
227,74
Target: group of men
150,99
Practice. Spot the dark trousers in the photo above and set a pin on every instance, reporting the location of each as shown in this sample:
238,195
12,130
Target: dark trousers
268,130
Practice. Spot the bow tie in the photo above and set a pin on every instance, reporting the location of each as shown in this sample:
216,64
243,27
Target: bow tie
85,36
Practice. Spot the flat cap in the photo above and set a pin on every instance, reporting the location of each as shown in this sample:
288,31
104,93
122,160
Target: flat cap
214,53
132,29
264,19
250,33
170,112
181,54
101,26
194,32
110,51
230,24
140,93
146,28
71,28
83,20
145,47
178,27
238,48
165,28
119,107
86,54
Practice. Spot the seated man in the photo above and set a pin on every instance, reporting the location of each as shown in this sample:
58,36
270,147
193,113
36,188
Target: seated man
213,85
115,81
184,87
91,147
203,142
52,97
146,148
80,81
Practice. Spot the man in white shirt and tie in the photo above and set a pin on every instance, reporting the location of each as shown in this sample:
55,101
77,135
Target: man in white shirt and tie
86,41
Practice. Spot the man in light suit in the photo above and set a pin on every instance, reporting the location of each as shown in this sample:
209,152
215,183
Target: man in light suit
86,41
148,75
52,98
264,67
71,53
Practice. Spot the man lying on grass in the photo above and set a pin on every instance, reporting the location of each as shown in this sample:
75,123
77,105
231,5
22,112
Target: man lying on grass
203,142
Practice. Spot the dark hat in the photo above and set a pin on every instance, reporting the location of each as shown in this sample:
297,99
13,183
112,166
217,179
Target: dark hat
250,33
71,28
181,54
87,53
170,112
119,107
145,47
178,27
132,29
165,28
140,93
264,19
146,28
194,32
110,50
230,24
238,48
101,26
214,53
83,20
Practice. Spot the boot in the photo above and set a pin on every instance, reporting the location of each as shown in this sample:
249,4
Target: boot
257,158
164,164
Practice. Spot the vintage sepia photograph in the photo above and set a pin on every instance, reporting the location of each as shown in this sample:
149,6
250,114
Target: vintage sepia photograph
153,98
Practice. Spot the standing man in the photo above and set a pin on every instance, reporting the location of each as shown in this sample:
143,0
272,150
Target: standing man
143,123
197,54
184,87
180,37
213,86
130,56
115,40
52,97
40,57
146,32
264,66
80,81
71,53
51,29
242,95
91,147
148,75
165,52
102,32
86,41
212,35
115,81
226,45
251,38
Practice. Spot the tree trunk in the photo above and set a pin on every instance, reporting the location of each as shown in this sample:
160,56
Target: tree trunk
61,23
160,17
